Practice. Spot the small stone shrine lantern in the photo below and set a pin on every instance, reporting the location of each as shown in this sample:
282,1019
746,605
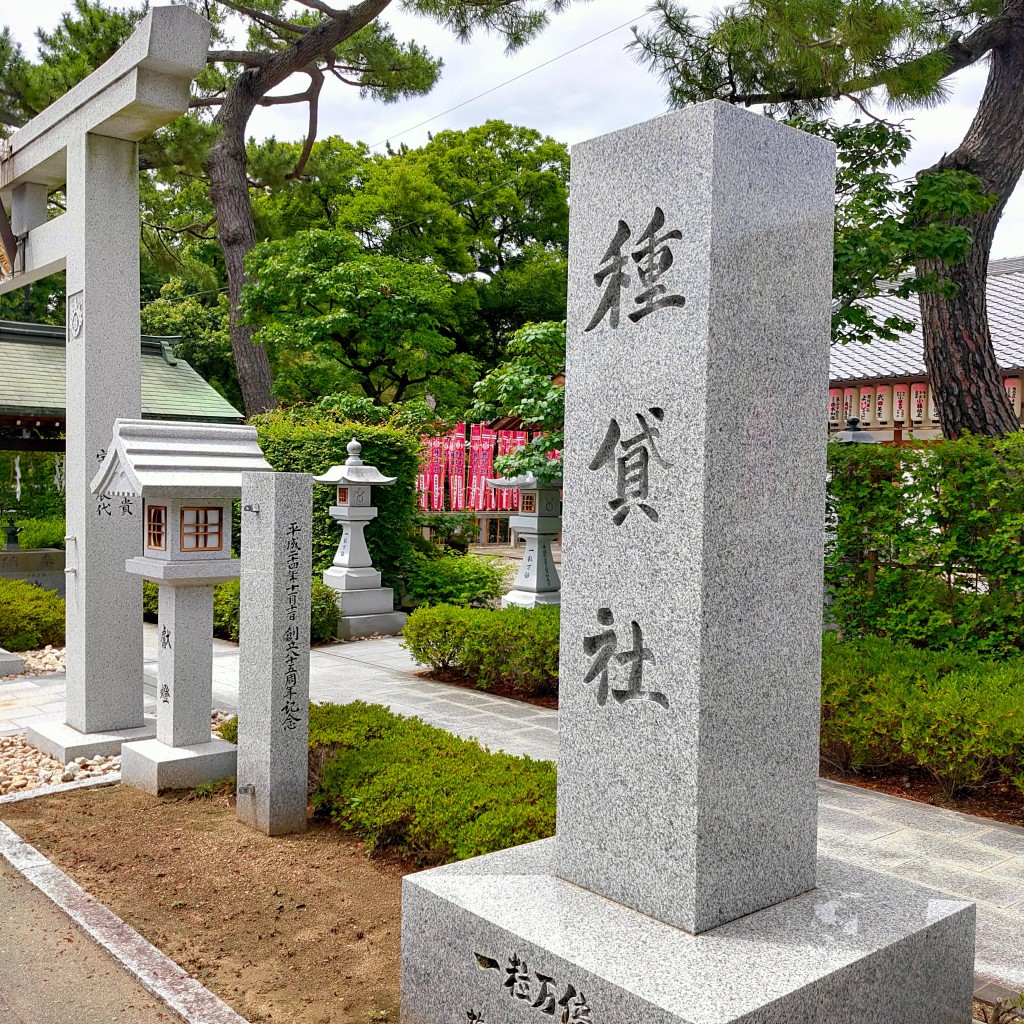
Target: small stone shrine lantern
539,521
187,475
367,607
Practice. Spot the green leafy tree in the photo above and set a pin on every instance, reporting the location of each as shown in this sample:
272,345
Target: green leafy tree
530,384
258,47
383,325
794,57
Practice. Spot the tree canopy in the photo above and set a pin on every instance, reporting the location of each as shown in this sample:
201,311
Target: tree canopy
794,56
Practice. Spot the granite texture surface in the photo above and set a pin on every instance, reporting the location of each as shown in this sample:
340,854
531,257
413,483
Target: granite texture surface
350,627
104,604
11,664
698,323
65,743
153,766
273,690
501,939
184,665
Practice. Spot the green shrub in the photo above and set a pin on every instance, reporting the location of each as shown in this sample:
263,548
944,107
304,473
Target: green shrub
30,617
312,443
40,496
42,533
926,542
467,580
951,713
226,604
516,647
429,796
228,729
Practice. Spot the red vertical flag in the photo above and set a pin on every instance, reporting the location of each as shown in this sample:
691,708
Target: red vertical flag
457,468
490,495
423,479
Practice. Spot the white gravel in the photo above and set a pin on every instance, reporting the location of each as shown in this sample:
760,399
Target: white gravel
37,663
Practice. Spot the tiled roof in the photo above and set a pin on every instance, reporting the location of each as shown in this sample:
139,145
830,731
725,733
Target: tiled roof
905,358
32,378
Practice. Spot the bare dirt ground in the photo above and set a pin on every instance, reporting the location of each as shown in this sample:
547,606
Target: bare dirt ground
297,928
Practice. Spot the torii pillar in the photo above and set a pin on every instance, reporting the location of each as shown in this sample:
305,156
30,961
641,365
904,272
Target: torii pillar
88,142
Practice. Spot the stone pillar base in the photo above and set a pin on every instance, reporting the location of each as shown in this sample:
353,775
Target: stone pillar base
153,766
502,940
382,624
61,741
525,599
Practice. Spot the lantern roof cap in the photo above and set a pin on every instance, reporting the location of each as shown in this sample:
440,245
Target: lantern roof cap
355,471
151,458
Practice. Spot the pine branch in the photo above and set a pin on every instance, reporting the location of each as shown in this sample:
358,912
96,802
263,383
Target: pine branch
316,82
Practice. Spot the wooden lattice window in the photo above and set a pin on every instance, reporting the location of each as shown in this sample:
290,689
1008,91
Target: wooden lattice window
529,502
202,529
156,527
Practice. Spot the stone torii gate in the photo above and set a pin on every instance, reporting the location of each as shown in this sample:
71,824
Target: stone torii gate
87,141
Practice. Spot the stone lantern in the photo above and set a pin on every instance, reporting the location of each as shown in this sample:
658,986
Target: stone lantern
367,607
187,475
539,522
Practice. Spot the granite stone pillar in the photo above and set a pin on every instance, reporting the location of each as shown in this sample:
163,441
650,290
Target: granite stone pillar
682,884
104,633
273,693
184,665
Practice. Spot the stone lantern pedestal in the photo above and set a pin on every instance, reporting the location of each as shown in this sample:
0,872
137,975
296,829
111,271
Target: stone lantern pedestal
539,523
187,475
366,607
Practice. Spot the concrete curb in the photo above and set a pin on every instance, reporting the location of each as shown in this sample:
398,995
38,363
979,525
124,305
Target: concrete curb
157,973
110,779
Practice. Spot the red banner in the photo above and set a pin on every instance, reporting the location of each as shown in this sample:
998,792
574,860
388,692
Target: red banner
456,443
437,467
488,495
423,479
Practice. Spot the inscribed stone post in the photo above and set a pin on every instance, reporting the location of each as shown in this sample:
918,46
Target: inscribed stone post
691,644
273,694
680,886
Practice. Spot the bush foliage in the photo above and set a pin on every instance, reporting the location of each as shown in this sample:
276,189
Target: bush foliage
927,542
41,533
952,713
30,617
517,647
312,443
465,580
429,796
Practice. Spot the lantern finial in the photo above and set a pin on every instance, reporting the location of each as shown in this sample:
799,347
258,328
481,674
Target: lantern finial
354,448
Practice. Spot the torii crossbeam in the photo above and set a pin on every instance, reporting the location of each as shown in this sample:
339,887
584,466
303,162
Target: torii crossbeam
88,142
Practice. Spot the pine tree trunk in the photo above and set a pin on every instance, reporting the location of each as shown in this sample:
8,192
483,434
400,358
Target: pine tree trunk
236,232
958,353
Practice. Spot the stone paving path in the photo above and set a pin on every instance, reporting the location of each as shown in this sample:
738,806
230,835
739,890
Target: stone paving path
974,858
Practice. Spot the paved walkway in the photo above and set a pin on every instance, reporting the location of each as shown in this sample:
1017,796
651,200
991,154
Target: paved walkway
974,858
51,972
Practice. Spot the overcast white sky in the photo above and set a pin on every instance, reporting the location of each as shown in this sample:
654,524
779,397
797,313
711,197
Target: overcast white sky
596,89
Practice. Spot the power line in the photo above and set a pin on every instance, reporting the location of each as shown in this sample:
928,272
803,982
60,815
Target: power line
501,85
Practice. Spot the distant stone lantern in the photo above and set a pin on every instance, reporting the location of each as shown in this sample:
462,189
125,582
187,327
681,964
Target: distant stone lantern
187,475
366,607
539,522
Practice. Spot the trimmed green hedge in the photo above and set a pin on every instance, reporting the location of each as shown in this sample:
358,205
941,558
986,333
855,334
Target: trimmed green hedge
465,580
312,444
954,714
405,786
226,608
30,617
517,647
42,533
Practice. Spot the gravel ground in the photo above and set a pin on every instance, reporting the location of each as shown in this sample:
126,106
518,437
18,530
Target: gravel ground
24,767
37,663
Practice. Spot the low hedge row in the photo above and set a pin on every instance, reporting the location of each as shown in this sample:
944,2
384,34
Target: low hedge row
417,790
517,647
954,714
30,617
